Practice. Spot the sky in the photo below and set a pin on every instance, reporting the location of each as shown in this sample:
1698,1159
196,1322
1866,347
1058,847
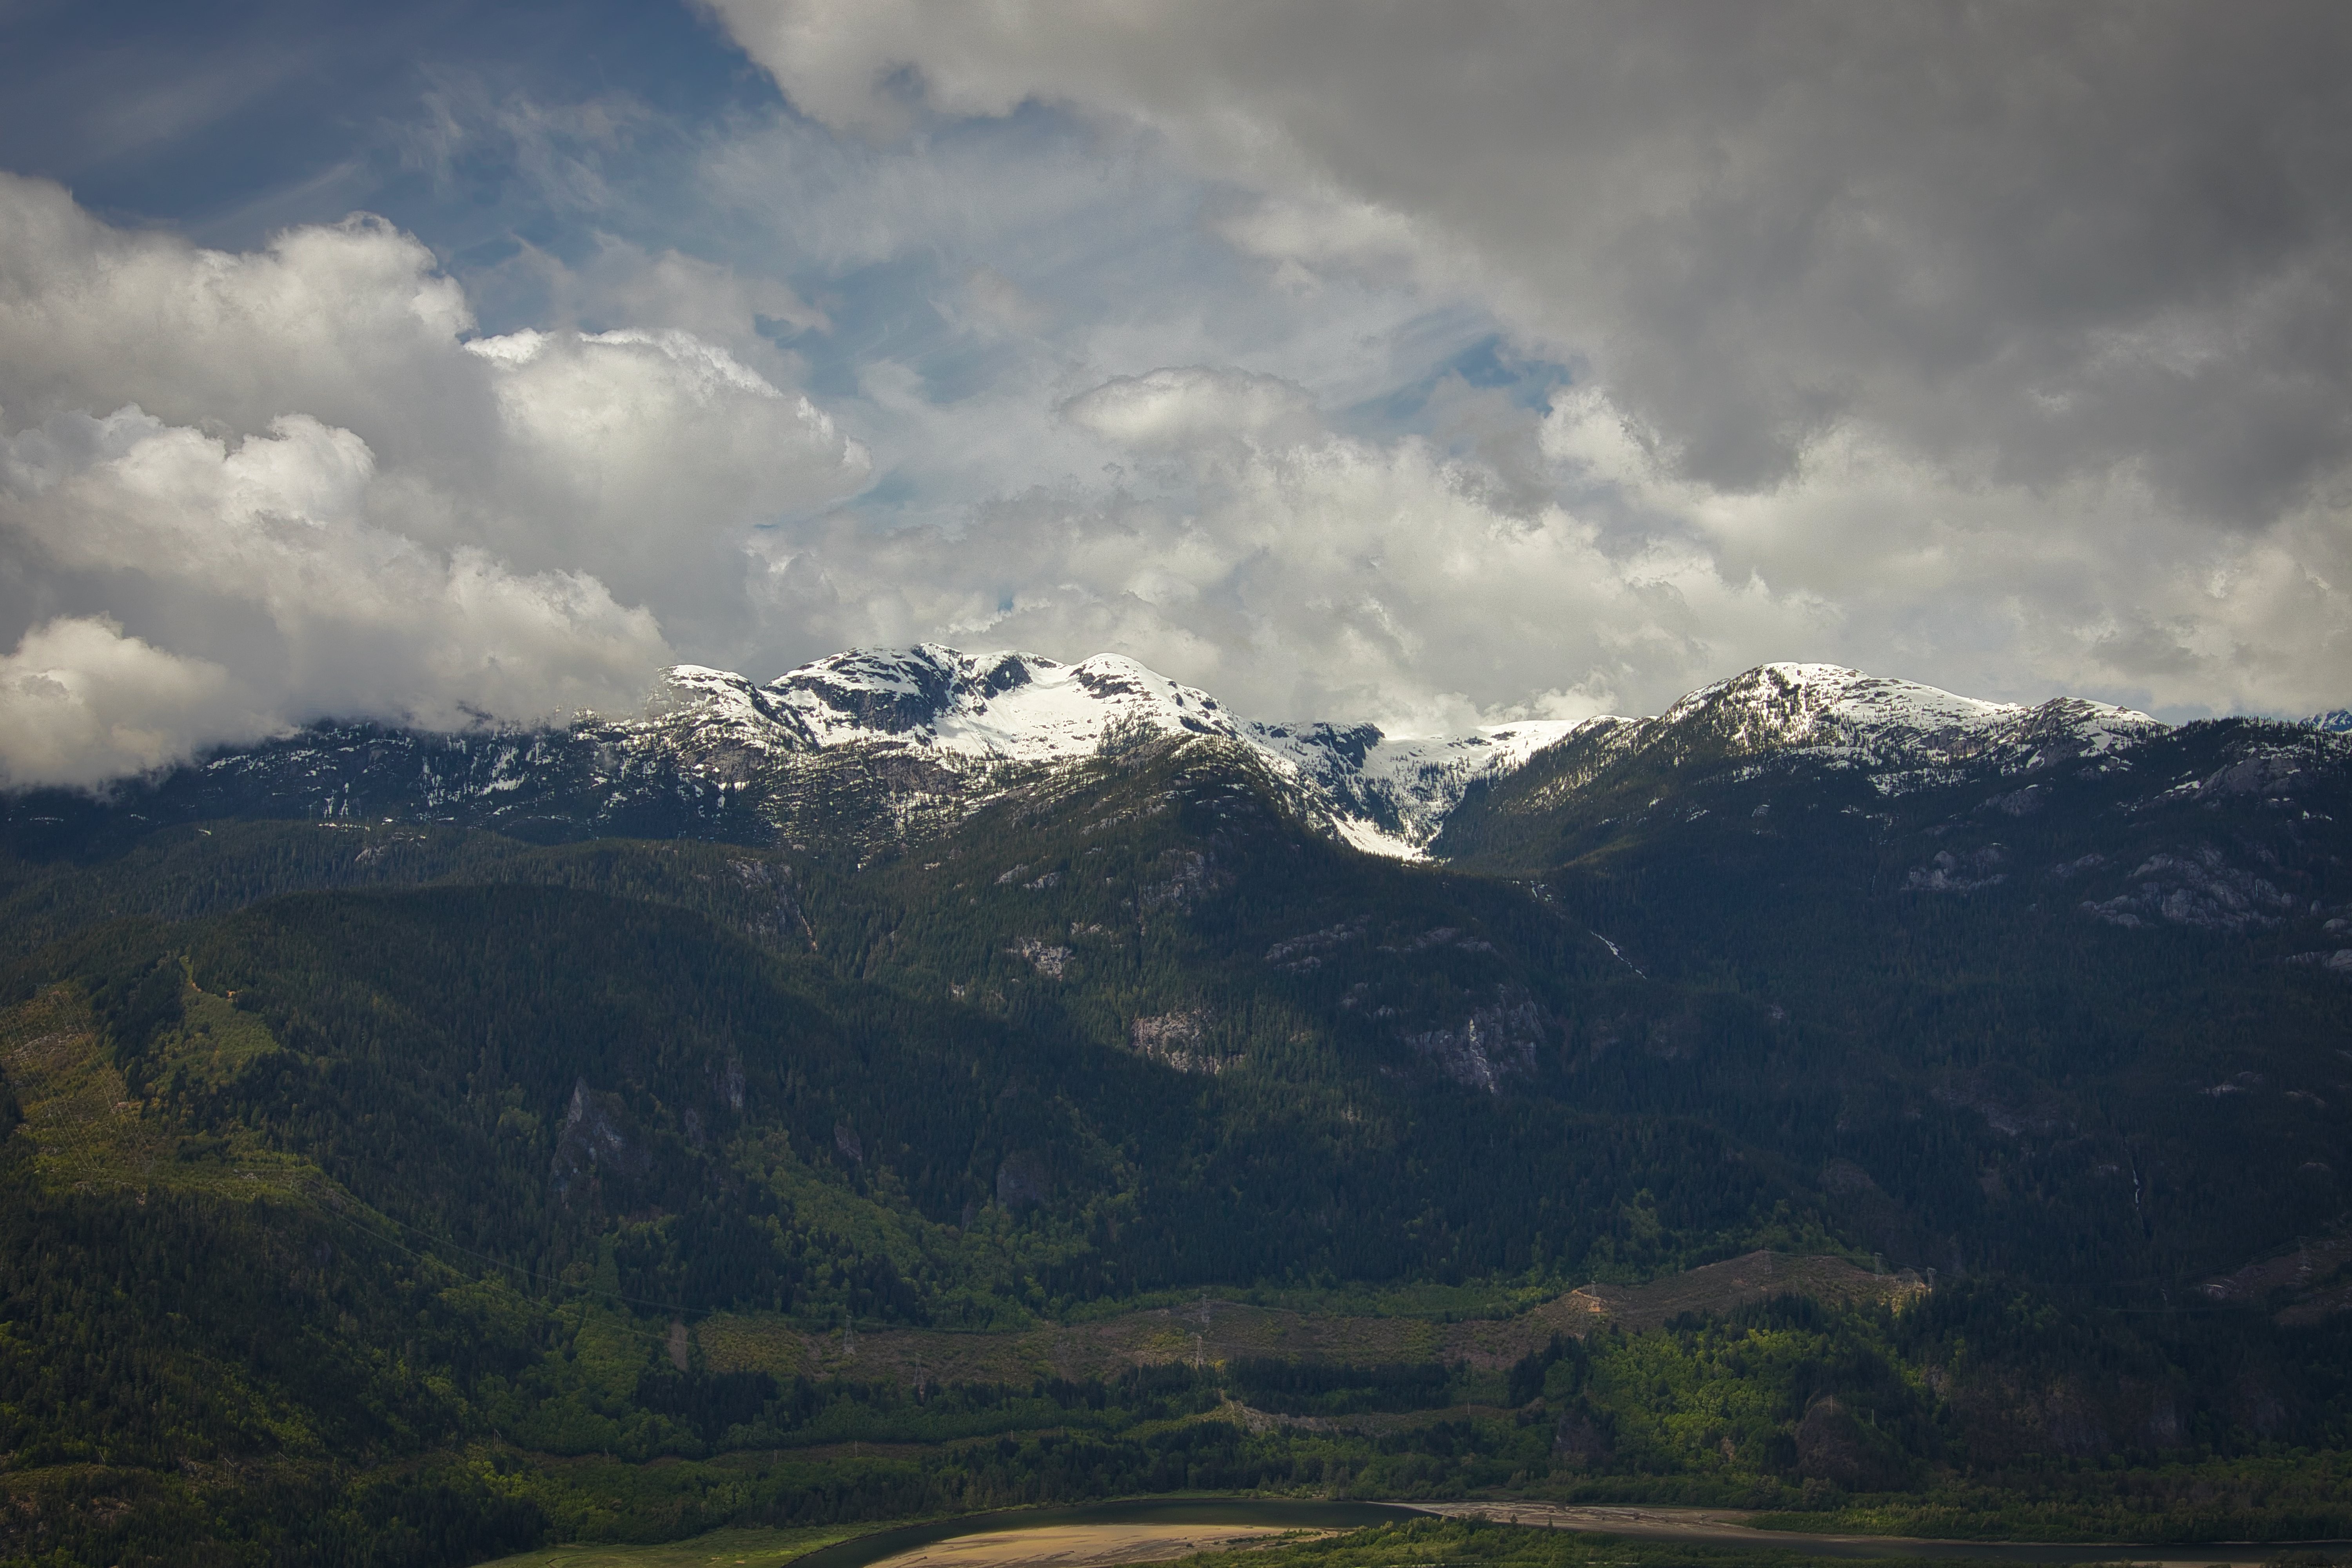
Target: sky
1436,365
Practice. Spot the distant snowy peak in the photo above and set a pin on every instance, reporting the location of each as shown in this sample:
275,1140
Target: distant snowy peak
704,707
1793,704
1017,707
1387,794
2334,722
1884,722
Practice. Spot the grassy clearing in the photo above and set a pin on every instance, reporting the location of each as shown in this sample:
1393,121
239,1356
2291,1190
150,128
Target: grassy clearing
762,1548
1444,1303
1736,1281
719,1549
1217,1331
89,1134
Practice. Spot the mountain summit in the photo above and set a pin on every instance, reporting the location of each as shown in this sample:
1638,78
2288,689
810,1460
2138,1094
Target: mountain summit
864,743
971,713
1385,794
1905,735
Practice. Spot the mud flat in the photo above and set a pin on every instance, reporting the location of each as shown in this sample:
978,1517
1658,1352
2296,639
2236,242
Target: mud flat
1087,1546
1094,1535
1729,1528
1159,1530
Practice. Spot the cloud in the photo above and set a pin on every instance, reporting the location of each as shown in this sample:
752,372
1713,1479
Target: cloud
1300,574
81,703
2001,589
2076,237
352,322
1414,365
1167,410
645,456
289,484
1001,302
2058,296
556,152
670,289
1318,574
260,566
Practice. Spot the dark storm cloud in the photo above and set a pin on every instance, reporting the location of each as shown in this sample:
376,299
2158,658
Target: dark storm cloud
2030,239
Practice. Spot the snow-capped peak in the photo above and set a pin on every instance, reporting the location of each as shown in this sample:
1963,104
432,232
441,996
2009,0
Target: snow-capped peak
1383,795
1795,704
1388,794
1905,732
1016,707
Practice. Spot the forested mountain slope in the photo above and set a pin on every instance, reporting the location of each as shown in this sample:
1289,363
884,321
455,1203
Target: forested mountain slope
392,1112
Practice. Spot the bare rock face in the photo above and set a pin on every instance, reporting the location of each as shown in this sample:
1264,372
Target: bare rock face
2196,887
598,1134
1961,873
1299,954
1489,1046
2274,772
1582,1436
1183,878
1022,1180
1049,960
1174,1039
2010,1105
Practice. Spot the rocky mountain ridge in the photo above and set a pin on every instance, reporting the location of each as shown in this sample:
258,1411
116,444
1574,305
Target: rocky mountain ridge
1901,735
874,741
975,714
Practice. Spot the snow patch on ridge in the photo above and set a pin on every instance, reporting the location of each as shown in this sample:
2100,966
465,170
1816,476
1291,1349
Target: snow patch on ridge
1010,707
1397,792
1877,723
1383,795
1791,704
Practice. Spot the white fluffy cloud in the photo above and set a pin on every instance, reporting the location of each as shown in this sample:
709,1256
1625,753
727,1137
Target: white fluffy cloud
2098,583
351,323
1420,364
261,564
641,457
1301,573
239,492
1311,575
80,703
1187,407
2055,299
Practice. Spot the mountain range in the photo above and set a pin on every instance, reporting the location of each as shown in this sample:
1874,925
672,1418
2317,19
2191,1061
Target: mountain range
714,754
402,1120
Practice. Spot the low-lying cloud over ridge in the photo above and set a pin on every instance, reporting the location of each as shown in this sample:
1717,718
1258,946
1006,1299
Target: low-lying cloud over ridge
247,490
